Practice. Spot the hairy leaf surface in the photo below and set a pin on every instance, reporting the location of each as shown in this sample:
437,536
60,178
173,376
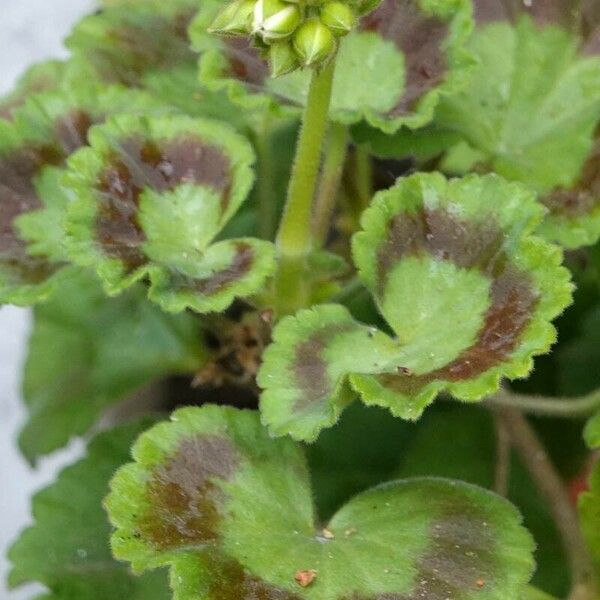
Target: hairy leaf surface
67,549
230,510
127,42
33,148
150,196
533,104
465,287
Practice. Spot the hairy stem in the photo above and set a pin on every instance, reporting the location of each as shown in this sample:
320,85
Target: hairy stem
294,238
536,460
549,407
329,184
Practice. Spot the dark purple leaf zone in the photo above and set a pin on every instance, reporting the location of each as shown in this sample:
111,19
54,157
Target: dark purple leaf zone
219,281
183,495
160,166
244,62
421,39
230,581
126,43
581,199
580,16
462,558
469,245
18,195
310,366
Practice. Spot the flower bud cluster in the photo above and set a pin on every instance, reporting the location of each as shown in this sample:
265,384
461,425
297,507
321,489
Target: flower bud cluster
291,33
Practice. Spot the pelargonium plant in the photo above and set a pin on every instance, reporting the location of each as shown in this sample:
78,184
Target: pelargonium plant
330,237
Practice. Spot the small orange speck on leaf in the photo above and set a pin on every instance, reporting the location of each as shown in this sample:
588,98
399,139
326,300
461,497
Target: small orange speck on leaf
305,578
480,583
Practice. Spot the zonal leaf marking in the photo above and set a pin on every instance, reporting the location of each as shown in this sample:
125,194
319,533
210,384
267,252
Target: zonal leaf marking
124,43
422,40
183,497
469,245
162,166
406,540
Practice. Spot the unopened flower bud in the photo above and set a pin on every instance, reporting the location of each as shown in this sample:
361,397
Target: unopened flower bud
339,17
313,42
234,19
275,19
282,58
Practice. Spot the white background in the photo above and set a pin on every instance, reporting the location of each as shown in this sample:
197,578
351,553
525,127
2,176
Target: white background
30,30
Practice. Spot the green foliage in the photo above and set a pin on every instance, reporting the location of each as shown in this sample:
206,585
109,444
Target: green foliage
465,287
79,366
405,54
67,549
231,511
146,175
151,194
589,502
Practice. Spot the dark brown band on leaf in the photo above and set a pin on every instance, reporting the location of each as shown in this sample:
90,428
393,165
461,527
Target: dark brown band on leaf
443,236
71,130
420,38
230,581
461,562
17,197
132,48
583,197
161,167
310,366
245,62
582,17
220,280
183,498
469,245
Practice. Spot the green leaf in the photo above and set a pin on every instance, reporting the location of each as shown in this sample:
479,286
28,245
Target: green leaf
589,502
230,510
88,352
67,549
532,107
472,459
304,371
405,54
42,134
125,43
465,287
41,77
150,196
